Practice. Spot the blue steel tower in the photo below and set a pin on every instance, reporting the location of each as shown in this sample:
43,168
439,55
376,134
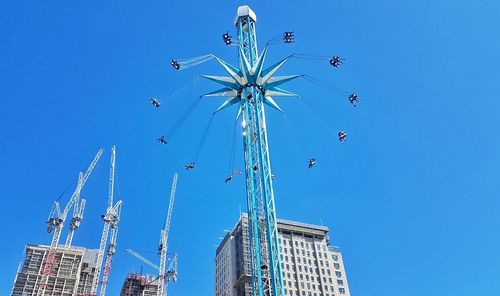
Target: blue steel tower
252,87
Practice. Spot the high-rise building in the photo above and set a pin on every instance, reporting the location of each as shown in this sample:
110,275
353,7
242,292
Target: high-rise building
72,272
311,266
137,284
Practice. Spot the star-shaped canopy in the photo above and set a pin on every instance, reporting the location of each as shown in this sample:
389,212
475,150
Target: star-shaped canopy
247,76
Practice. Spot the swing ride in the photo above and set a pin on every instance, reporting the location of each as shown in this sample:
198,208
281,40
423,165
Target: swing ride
251,87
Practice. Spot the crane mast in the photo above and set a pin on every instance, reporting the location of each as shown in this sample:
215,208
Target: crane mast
111,219
163,246
76,219
55,224
111,250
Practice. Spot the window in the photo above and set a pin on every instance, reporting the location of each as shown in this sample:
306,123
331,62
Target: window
296,244
335,258
302,244
340,282
338,274
301,276
309,261
341,290
336,265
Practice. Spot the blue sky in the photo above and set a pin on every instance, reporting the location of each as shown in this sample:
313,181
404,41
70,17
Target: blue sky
412,198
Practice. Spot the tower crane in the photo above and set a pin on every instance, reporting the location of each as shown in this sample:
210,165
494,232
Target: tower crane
76,219
111,219
163,246
111,250
164,274
55,224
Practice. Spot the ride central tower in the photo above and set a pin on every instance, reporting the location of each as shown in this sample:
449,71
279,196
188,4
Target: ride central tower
251,87
263,232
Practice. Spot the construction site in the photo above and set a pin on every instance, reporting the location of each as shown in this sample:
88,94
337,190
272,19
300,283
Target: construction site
260,256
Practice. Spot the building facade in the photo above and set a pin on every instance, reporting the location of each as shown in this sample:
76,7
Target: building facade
137,284
311,266
72,273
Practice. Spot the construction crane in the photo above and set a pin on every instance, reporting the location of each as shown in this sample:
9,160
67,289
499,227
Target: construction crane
76,219
163,245
170,274
111,251
164,274
55,224
111,219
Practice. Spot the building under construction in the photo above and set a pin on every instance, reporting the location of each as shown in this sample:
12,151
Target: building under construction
73,271
62,269
137,284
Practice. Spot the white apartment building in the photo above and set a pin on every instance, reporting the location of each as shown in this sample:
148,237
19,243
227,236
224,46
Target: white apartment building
311,266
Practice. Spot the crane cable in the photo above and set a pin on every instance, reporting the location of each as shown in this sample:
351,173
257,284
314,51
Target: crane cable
65,190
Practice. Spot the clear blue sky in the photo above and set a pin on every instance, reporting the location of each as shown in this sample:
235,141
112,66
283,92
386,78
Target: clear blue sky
412,198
